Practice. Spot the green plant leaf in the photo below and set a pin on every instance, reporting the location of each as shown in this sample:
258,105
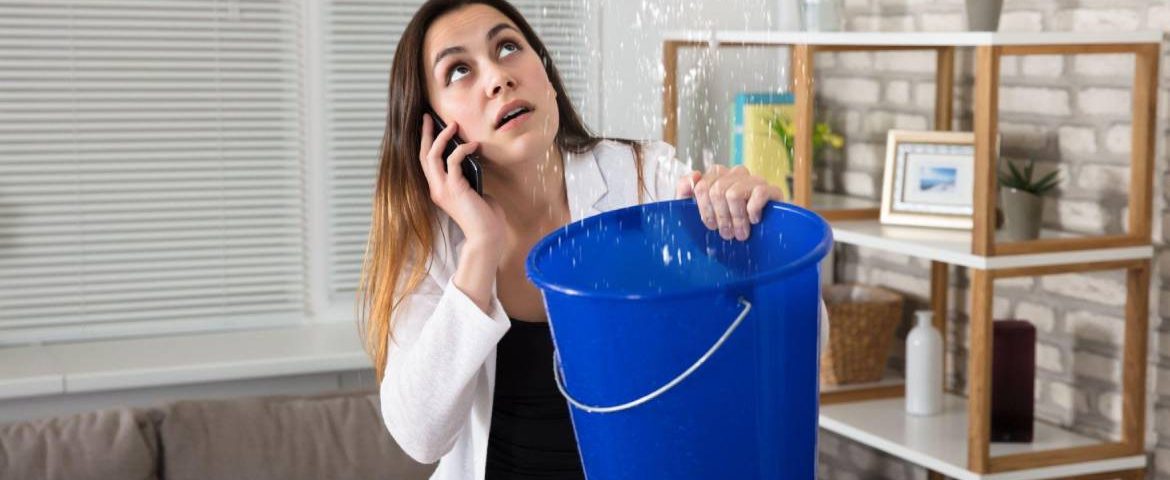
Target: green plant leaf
1017,178
1047,182
1004,179
1021,178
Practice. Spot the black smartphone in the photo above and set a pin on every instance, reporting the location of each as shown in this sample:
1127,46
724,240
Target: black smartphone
471,165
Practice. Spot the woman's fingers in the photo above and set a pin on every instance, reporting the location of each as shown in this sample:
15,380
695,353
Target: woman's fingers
702,193
730,201
737,198
454,169
441,140
424,149
755,205
685,188
718,198
431,153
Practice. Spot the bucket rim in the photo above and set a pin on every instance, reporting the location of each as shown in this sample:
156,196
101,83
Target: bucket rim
539,277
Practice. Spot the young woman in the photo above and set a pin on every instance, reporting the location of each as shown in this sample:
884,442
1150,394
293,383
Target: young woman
458,335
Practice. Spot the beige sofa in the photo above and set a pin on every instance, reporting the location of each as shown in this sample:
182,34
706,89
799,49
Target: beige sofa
334,436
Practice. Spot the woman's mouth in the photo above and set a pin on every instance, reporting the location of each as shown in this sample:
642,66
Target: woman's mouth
514,119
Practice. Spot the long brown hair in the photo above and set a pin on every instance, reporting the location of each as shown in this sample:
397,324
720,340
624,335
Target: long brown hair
403,221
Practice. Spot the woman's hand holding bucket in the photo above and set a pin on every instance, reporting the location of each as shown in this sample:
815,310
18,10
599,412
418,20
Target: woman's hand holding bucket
729,200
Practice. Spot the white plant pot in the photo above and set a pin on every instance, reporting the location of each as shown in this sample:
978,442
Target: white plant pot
983,15
1021,214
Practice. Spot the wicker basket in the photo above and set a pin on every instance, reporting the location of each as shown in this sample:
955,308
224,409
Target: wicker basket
862,320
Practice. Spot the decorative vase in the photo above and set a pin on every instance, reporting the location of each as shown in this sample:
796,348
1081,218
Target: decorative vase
983,15
788,15
1021,214
924,367
1013,380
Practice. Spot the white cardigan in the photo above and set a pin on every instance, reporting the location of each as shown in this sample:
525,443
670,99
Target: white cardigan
437,392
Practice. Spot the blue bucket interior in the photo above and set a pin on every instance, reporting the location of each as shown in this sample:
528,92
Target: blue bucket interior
664,249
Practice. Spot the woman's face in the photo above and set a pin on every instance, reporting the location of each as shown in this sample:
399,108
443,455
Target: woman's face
480,73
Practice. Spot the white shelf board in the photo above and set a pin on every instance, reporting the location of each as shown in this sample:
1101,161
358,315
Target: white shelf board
954,246
939,442
174,360
924,39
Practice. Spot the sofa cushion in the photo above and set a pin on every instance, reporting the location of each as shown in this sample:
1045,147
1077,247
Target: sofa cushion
335,436
98,445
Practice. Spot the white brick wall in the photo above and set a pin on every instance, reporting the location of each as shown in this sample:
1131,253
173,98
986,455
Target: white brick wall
1097,366
1085,286
855,60
1103,178
1095,327
1001,307
1118,139
1044,101
851,90
1076,140
1044,66
1062,396
924,96
1102,65
1109,405
898,92
1158,17
1105,101
1024,135
1098,20
860,184
1021,21
865,156
943,22
879,23
1049,358
907,61
1041,316
1087,216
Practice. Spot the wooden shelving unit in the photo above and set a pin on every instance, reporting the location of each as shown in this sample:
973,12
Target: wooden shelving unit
958,443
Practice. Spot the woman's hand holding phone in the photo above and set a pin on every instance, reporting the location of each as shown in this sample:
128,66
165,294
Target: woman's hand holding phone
480,218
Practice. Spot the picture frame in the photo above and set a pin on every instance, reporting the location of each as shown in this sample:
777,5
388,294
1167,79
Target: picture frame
929,179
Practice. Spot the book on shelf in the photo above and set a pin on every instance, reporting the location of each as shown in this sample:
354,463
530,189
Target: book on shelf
754,144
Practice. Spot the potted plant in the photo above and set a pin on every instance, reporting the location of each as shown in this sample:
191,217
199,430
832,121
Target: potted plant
823,136
1020,199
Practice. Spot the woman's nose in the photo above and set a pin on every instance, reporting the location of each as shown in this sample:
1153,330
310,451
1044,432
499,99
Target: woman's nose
500,79
498,86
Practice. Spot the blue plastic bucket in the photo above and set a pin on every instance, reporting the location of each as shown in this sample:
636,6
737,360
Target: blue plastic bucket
684,355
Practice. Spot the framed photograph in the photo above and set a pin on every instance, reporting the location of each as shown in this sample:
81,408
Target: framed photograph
929,179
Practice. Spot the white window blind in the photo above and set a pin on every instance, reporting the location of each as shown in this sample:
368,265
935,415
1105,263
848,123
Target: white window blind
150,167
360,38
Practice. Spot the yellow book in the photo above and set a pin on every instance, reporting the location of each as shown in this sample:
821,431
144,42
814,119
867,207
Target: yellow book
754,144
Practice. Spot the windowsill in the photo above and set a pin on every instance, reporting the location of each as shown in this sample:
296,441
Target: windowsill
70,368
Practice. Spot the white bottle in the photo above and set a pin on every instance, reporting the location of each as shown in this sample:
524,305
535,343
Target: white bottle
924,367
788,15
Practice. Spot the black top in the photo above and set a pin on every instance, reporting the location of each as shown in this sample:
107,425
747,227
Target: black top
531,436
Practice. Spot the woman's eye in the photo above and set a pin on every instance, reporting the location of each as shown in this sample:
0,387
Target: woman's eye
508,48
457,73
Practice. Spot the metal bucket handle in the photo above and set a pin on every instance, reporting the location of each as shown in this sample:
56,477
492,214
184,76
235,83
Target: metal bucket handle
747,307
